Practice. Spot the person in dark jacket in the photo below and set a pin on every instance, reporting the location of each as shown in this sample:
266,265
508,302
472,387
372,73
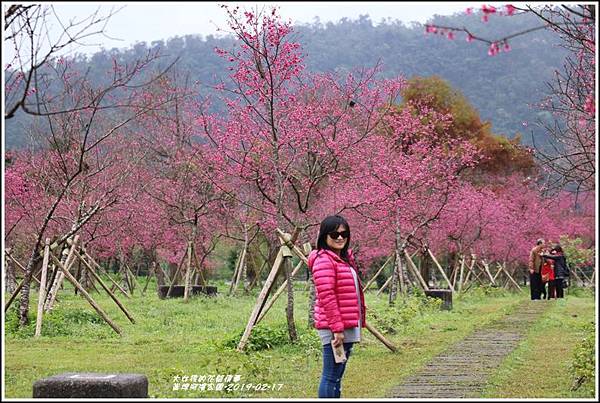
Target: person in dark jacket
561,269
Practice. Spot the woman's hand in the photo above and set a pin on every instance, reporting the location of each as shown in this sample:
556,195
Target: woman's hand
338,339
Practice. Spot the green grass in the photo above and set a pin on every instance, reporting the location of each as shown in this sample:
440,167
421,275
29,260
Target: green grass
172,338
541,366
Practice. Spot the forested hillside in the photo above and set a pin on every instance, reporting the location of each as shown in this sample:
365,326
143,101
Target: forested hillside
503,87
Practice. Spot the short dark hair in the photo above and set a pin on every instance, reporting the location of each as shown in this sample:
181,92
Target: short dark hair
539,241
558,248
330,224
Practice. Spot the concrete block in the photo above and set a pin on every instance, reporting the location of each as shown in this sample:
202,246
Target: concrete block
91,385
444,295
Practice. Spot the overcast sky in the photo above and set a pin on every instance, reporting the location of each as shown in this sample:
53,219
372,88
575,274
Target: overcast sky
149,21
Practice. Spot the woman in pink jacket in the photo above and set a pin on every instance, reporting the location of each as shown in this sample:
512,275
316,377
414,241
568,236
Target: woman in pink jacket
340,305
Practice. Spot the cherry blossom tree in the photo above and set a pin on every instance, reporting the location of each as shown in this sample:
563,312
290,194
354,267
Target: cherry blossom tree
289,136
478,222
181,166
412,175
73,153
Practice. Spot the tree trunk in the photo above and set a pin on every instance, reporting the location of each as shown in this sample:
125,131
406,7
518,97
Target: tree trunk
24,302
78,276
188,269
10,279
160,275
50,280
58,278
426,268
289,311
123,273
402,281
396,276
244,262
244,268
312,297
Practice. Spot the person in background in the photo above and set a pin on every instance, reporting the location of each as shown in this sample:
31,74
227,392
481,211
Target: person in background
547,274
535,266
561,269
340,304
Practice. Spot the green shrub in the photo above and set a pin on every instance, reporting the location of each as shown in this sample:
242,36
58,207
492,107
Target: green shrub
309,341
262,337
390,318
576,291
68,322
583,366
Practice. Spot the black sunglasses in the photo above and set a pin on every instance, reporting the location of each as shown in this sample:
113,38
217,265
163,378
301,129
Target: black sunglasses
335,234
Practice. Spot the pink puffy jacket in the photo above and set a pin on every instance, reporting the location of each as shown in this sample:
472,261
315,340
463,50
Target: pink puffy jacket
336,307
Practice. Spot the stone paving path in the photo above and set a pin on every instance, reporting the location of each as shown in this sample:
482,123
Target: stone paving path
463,369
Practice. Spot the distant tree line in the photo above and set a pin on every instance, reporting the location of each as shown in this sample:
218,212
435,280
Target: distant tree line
501,88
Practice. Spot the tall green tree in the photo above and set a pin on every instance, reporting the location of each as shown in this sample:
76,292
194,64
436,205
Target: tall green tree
431,95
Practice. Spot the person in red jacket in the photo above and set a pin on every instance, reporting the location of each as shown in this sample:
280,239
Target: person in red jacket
547,273
340,309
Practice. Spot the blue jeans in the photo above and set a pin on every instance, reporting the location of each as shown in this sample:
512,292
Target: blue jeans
331,378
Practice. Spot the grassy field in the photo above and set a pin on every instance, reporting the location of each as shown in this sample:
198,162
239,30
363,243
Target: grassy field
540,366
172,340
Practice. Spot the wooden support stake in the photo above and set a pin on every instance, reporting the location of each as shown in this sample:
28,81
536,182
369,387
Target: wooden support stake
261,300
436,264
299,253
235,273
377,274
109,292
134,282
165,275
100,268
20,266
380,337
577,277
150,274
257,275
60,275
583,274
278,293
459,268
511,279
13,295
42,293
477,273
84,293
462,269
176,274
470,270
195,257
386,283
186,290
415,271
487,270
498,272
240,270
